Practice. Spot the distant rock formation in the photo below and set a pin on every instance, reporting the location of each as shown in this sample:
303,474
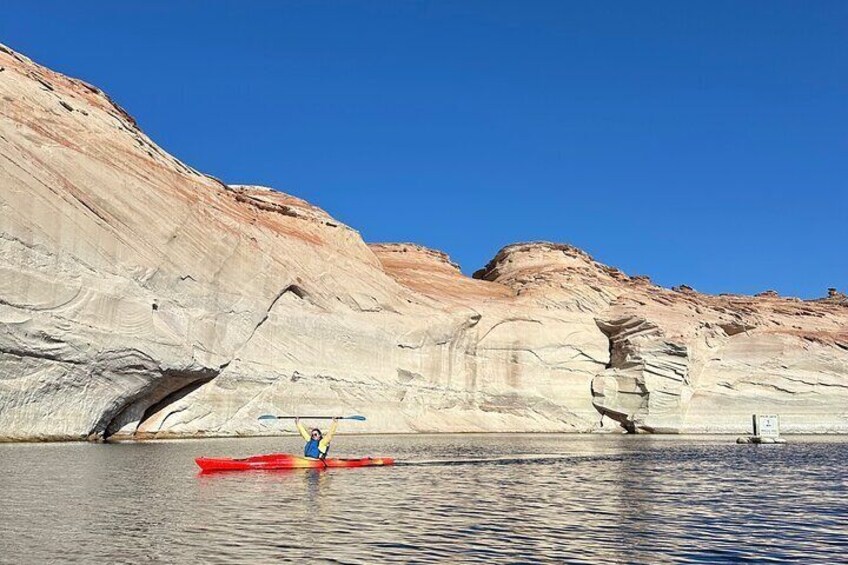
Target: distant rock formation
141,298
836,297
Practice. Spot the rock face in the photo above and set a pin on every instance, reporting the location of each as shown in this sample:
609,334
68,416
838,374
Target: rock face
681,361
139,297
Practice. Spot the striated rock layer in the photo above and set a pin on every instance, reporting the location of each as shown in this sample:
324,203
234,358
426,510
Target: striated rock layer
680,361
139,297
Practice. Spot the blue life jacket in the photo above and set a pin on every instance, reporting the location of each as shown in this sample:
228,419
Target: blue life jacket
311,449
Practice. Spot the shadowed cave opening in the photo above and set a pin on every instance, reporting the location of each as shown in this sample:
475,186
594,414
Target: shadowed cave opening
172,398
172,387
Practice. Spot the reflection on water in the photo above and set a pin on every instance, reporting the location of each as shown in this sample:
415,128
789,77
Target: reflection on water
541,498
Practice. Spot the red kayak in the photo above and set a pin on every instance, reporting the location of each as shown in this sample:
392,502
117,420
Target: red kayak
285,461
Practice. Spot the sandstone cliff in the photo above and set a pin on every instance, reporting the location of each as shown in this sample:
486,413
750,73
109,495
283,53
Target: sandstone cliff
684,361
139,297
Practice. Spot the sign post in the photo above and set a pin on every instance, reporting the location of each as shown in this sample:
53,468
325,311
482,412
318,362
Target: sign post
766,425
766,430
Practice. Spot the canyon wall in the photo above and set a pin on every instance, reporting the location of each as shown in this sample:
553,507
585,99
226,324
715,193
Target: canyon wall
142,298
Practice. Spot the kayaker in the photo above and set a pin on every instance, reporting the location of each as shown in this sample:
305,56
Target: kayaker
317,443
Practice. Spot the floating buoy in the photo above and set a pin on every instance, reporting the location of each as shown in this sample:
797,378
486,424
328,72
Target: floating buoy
759,439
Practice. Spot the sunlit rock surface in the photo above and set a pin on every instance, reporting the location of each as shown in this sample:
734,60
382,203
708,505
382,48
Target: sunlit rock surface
681,361
139,297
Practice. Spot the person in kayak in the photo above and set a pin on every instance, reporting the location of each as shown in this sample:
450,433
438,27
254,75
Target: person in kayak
317,444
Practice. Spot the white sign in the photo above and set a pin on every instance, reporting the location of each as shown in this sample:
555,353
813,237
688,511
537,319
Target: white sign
766,425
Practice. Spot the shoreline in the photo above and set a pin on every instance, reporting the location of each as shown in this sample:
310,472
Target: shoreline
180,439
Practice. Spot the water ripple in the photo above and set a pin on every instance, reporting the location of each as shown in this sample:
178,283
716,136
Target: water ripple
455,499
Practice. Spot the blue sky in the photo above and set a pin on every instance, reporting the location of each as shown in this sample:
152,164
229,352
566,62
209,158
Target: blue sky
703,143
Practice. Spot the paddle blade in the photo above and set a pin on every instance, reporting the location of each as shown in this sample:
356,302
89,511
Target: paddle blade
359,418
267,417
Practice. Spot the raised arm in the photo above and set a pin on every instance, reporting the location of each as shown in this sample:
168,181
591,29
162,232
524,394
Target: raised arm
304,433
329,435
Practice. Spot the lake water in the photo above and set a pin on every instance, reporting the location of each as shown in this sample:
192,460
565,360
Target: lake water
539,498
